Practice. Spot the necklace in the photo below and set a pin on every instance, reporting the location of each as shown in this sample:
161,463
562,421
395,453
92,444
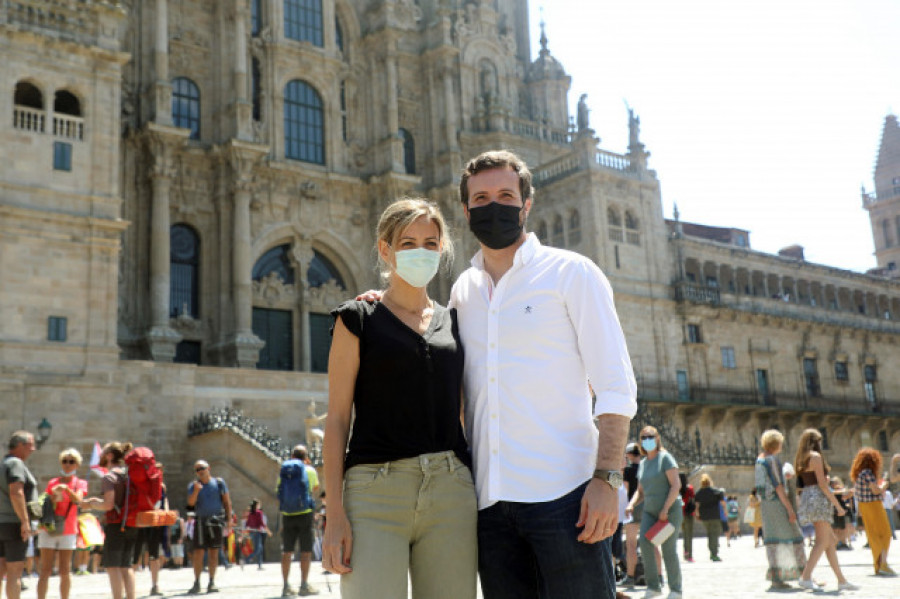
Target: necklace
423,310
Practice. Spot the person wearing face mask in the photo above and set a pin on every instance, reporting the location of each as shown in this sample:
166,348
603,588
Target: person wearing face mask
817,506
401,499
67,491
659,487
540,329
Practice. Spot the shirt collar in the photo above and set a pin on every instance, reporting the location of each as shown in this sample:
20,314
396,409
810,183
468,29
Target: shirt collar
523,255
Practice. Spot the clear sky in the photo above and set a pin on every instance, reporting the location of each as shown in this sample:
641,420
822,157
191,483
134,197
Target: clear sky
764,115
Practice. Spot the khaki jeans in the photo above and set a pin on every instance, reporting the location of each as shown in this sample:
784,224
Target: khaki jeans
412,519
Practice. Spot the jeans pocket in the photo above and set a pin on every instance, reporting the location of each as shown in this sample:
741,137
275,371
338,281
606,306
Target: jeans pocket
360,478
463,475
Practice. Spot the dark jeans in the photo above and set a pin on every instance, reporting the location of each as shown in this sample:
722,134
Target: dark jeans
530,550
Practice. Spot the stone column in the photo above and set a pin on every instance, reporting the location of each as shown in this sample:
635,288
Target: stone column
243,107
449,109
246,345
392,118
161,339
302,254
163,87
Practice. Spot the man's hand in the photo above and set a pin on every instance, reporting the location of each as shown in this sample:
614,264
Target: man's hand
371,296
599,512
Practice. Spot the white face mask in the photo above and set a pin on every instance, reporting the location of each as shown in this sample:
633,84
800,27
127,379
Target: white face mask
63,472
418,266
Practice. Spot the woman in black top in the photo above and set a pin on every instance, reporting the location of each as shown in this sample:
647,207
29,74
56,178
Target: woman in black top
401,501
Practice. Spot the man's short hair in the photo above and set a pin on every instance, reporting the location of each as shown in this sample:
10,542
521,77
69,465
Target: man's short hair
20,438
203,463
496,159
299,452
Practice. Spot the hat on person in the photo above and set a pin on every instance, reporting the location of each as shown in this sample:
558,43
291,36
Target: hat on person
632,448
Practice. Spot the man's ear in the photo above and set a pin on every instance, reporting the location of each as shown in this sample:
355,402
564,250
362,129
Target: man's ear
526,208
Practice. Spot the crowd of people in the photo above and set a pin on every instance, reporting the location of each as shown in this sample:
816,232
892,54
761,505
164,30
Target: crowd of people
784,500
58,531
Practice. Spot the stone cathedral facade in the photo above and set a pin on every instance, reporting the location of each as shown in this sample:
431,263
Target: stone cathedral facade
187,187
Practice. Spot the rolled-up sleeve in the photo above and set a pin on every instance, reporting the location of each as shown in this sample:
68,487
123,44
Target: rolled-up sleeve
601,342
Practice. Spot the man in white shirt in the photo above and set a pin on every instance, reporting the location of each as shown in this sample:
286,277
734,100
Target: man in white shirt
540,333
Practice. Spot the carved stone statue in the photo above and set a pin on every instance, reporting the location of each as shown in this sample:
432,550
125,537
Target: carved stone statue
634,129
583,111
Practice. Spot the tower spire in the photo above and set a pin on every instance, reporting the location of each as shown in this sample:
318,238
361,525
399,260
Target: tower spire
544,50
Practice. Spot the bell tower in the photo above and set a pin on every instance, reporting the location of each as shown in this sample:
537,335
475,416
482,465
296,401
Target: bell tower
883,204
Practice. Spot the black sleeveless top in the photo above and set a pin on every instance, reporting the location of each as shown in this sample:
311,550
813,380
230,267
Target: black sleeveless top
408,388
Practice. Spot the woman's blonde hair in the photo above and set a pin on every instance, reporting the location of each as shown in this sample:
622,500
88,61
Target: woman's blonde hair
771,440
650,430
398,216
70,452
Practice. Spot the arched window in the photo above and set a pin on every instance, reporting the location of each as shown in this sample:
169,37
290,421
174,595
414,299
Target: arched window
631,221
886,232
344,110
558,238
574,228
276,260
28,109
184,264
303,21
409,151
304,123
321,270
29,95
612,215
542,232
65,102
256,89
186,105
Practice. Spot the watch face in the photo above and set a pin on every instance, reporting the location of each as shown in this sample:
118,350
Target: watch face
615,479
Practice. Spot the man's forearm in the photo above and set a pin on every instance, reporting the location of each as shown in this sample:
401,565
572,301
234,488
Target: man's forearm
613,437
19,505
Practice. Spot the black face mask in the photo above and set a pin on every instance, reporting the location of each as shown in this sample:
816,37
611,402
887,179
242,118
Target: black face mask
496,225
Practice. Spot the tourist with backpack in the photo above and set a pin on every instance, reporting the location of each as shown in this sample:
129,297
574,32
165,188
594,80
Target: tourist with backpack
208,498
297,481
120,531
18,490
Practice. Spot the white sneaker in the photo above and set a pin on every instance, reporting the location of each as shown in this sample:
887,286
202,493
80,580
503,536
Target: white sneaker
810,585
848,586
674,595
650,593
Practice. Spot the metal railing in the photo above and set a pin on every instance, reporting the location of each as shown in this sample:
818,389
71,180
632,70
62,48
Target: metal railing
699,294
70,127
235,421
29,119
744,396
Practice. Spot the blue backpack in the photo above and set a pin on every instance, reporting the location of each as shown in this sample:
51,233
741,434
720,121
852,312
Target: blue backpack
293,488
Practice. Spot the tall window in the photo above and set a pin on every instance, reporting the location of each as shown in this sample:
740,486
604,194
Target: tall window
276,329
255,16
886,233
338,35
811,377
574,228
841,373
344,110
304,123
728,358
303,21
557,238
28,110
256,89
684,391
762,385
409,151
186,105
693,333
62,156
870,376
184,264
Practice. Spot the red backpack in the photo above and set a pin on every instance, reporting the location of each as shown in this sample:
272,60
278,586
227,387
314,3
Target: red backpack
143,485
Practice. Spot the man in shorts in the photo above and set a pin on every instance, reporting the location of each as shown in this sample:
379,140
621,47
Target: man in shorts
299,526
208,497
17,488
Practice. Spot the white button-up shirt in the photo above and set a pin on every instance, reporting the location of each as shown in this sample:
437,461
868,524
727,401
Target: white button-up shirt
532,343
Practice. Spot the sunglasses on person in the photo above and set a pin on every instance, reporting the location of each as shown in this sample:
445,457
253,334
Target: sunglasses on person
199,468
68,461
645,437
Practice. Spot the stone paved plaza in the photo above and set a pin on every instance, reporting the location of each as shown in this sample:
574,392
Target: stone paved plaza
741,575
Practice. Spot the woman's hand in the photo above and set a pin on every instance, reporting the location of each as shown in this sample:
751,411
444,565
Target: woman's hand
337,546
663,516
629,510
840,511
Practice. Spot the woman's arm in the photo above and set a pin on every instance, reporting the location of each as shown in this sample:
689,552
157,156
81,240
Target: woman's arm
102,504
674,491
782,496
815,464
635,499
343,366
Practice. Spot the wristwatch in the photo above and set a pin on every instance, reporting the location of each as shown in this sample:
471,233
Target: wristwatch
612,477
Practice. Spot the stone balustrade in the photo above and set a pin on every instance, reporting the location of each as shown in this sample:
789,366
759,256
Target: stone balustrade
70,127
29,119
612,161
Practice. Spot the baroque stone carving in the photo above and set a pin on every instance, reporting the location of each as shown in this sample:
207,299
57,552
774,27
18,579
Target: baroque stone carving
272,291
